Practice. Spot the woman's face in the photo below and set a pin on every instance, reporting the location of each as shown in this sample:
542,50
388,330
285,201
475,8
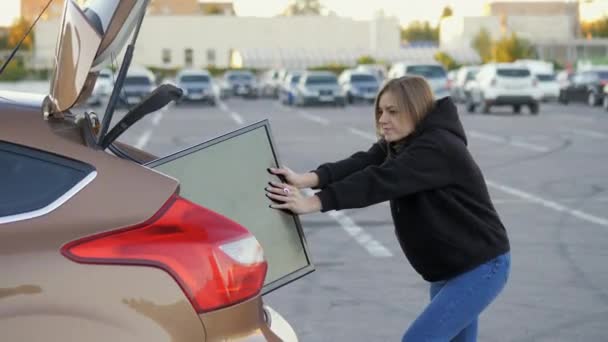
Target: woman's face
394,124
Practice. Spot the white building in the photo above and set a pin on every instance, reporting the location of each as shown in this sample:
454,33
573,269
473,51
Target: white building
201,41
460,31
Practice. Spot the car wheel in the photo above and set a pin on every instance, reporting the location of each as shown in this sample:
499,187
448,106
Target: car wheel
469,104
534,108
349,98
562,98
485,108
517,109
592,99
605,102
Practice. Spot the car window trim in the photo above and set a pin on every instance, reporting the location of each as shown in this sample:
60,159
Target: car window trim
53,205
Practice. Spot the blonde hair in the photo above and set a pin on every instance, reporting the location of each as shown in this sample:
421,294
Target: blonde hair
414,98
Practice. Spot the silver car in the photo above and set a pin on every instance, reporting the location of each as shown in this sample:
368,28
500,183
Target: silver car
197,86
359,86
434,73
319,87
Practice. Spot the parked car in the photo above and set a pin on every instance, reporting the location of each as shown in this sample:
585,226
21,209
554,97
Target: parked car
319,87
240,83
549,87
271,83
197,85
463,76
504,84
359,86
586,86
287,91
98,247
434,73
139,83
103,87
379,70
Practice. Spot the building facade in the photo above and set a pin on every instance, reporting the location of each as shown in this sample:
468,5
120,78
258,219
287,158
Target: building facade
169,41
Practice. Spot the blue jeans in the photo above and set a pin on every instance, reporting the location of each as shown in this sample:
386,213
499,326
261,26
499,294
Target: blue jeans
456,303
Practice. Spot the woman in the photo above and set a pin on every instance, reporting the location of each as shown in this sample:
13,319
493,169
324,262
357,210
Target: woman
444,219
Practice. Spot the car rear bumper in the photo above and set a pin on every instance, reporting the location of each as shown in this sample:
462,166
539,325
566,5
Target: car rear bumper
248,322
511,100
322,100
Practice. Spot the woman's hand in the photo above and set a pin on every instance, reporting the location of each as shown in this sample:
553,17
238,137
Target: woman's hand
290,198
299,180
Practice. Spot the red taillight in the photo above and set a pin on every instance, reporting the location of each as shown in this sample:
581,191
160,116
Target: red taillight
216,261
603,82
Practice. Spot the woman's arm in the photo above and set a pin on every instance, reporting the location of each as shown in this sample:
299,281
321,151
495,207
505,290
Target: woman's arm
333,172
422,166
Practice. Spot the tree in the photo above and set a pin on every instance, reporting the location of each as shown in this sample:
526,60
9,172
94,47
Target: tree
303,7
597,28
482,43
420,31
366,60
510,48
213,9
447,60
447,12
17,31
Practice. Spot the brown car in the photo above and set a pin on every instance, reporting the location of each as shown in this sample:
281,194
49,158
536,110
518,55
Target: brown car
95,247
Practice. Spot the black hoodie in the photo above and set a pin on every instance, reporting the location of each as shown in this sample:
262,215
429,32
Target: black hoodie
444,218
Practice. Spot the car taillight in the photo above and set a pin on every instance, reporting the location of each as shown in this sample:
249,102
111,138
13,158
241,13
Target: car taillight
493,82
603,82
216,261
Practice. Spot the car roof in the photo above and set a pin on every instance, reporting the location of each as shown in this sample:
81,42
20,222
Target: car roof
192,72
319,73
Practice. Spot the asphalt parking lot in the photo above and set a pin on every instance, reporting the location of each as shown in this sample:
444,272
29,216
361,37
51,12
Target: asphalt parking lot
546,175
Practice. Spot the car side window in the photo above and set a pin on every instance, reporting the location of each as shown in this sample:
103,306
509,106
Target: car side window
33,180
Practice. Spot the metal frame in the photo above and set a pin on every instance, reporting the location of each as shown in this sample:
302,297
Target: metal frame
266,125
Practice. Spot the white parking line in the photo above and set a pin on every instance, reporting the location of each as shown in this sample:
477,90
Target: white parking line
561,200
313,118
237,118
549,204
589,133
222,106
373,247
158,116
502,140
362,134
143,139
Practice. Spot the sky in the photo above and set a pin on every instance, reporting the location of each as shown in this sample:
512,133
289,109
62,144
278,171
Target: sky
405,10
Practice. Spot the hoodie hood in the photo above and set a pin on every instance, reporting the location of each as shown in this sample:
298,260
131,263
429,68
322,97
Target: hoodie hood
443,115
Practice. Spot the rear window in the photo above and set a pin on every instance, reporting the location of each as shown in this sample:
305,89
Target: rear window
602,75
513,72
545,77
321,80
195,78
137,80
33,180
295,79
240,77
362,78
427,71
